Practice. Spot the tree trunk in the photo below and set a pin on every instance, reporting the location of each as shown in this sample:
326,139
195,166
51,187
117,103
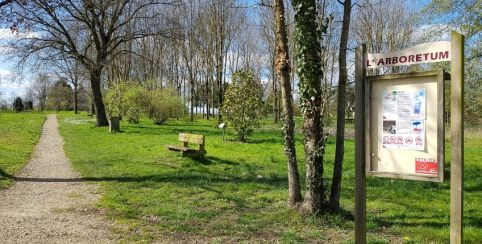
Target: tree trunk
76,99
310,74
191,92
219,67
95,78
340,118
282,66
92,106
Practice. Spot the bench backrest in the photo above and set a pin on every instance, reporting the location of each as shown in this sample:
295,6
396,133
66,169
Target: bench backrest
191,138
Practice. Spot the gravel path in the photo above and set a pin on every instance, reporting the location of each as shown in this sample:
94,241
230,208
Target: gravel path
49,203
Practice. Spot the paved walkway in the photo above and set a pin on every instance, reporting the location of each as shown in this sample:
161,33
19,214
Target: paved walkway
48,203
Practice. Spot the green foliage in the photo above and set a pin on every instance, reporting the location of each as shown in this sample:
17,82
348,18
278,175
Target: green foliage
113,100
163,104
308,60
133,100
60,96
243,104
126,99
18,104
28,105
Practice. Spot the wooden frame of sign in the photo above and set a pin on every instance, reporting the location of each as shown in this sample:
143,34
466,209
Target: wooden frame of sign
456,58
400,159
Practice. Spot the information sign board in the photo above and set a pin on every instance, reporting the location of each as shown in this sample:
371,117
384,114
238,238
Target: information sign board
406,126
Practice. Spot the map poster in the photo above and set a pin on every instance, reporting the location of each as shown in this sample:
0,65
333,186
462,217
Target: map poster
404,104
404,119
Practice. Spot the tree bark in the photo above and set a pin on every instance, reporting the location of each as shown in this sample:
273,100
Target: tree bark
340,118
282,67
76,99
95,79
310,74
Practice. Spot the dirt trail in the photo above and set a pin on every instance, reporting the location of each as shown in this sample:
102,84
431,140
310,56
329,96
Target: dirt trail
49,203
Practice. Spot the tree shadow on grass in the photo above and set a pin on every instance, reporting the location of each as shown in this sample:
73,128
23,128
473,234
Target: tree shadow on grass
187,180
214,160
5,174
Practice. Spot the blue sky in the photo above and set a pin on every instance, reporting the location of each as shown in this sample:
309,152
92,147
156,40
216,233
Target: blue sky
10,89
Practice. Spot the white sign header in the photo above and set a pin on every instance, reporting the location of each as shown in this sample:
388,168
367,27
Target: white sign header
429,52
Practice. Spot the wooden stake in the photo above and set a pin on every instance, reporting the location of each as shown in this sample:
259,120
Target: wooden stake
457,133
360,153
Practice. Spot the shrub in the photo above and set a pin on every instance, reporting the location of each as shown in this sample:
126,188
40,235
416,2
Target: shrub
18,104
125,99
164,104
243,104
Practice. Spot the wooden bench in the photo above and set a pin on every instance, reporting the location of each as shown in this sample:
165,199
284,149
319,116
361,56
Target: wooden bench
186,138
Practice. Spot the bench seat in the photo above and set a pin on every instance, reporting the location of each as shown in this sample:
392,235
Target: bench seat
186,138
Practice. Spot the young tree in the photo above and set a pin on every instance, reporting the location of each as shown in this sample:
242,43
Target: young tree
341,100
41,87
283,66
242,104
163,104
71,71
60,96
309,72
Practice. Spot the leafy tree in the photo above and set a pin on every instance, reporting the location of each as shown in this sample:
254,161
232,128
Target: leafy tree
125,99
28,105
163,104
242,104
60,96
18,104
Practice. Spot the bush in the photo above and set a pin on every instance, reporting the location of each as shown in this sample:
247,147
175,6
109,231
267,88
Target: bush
125,99
243,104
18,104
164,104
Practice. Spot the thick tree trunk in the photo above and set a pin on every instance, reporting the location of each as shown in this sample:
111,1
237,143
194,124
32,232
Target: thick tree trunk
340,119
95,78
310,74
282,66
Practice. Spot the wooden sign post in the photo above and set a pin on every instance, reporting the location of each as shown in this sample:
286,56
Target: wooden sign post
360,177
405,112
457,134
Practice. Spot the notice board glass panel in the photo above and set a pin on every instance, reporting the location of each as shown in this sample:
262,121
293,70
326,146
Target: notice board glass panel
406,130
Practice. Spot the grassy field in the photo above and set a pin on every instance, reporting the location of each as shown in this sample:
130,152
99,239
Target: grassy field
19,132
238,193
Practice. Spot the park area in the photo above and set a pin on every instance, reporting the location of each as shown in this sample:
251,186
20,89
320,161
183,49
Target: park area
238,191
240,121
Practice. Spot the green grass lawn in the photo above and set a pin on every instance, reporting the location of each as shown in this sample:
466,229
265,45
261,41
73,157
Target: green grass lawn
19,132
238,193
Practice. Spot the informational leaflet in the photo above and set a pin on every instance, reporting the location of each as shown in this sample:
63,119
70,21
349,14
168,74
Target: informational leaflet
404,119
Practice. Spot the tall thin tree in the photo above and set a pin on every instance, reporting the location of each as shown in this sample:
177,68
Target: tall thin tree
341,99
283,66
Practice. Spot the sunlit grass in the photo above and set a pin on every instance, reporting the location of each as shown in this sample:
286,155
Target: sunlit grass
239,191
19,132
